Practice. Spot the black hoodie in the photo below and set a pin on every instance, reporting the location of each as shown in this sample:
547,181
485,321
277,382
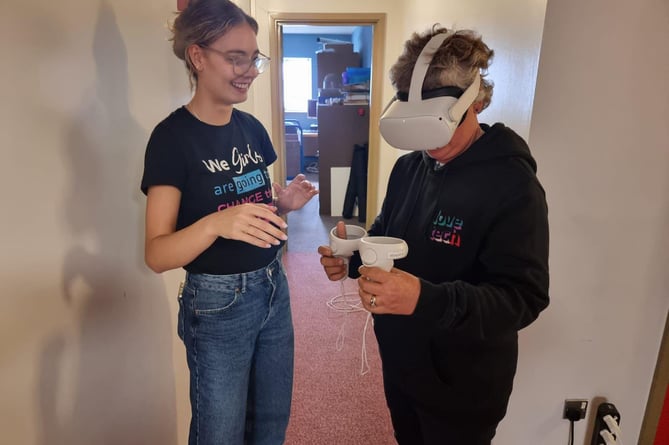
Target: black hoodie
477,231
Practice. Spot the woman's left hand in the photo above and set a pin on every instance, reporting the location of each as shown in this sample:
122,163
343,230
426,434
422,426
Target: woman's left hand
295,195
394,292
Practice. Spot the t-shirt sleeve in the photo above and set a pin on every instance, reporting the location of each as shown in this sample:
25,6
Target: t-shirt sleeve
164,162
268,149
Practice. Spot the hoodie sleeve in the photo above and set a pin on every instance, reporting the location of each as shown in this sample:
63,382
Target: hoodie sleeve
512,288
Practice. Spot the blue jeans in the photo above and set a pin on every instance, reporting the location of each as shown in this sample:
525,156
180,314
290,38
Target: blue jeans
238,334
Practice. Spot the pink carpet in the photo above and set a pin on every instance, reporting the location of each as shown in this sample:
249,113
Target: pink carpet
333,404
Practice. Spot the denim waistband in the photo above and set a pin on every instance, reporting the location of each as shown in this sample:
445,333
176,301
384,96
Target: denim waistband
237,280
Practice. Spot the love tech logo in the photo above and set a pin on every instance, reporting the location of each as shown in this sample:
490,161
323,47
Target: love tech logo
446,229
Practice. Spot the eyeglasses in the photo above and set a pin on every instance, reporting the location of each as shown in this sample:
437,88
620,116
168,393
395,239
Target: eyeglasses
241,65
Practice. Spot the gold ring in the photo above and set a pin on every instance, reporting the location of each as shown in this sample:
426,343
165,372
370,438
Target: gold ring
372,301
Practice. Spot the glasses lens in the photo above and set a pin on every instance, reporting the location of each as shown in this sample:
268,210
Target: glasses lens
242,66
261,63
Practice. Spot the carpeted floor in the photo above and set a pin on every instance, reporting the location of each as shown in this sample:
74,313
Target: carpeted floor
333,404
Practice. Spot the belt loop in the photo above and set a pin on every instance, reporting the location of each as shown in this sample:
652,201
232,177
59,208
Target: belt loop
242,282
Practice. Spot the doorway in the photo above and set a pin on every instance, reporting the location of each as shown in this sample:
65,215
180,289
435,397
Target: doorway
282,24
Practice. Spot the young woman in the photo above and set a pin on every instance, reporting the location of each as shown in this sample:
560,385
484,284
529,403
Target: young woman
210,209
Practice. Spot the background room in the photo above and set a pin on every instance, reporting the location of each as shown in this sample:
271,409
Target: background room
326,92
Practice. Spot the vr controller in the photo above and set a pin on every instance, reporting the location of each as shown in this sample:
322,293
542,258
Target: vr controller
345,247
375,251
381,251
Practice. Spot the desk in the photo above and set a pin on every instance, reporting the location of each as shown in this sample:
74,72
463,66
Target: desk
310,142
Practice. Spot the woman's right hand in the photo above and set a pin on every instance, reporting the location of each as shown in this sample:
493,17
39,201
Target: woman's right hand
336,268
256,224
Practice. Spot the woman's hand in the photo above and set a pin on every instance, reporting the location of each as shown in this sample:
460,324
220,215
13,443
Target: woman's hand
394,292
256,224
295,195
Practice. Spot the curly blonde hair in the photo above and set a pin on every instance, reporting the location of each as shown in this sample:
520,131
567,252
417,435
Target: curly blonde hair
455,63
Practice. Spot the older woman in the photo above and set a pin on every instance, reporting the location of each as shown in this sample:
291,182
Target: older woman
474,216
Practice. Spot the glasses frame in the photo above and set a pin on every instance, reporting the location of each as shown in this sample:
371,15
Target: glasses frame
260,61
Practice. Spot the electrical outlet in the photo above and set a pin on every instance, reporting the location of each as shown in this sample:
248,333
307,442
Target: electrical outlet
574,409
603,410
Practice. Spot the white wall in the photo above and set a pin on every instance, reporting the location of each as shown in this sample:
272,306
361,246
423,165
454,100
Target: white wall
86,352
599,132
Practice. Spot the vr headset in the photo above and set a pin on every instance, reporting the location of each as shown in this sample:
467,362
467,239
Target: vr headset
426,120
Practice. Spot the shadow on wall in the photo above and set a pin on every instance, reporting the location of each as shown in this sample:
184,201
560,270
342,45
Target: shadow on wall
121,381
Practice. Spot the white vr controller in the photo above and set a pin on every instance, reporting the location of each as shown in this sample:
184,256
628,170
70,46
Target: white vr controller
381,251
345,247
375,251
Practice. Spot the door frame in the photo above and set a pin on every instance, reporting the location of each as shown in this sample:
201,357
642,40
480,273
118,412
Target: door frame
378,23
658,391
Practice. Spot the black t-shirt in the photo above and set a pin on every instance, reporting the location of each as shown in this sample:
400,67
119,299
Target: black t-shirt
214,167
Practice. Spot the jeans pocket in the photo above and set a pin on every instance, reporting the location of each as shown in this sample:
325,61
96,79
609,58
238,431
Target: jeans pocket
214,301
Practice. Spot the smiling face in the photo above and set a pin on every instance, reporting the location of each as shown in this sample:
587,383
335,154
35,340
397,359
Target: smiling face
222,75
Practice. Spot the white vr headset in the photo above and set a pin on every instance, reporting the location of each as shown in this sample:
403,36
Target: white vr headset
423,122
